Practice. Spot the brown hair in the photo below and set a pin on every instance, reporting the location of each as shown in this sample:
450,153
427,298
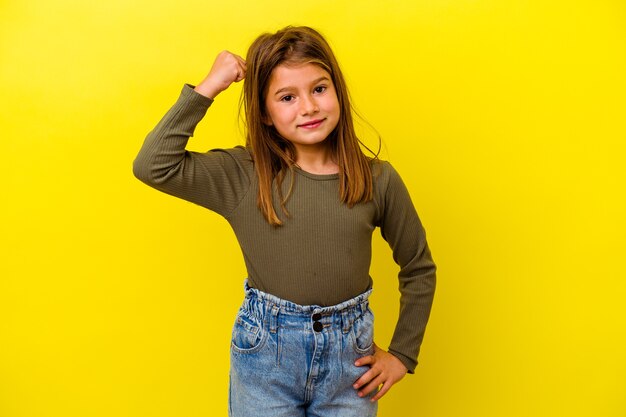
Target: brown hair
274,155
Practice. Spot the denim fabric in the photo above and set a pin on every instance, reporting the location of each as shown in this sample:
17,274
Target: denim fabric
289,360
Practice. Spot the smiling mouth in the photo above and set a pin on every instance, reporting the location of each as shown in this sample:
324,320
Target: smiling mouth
312,124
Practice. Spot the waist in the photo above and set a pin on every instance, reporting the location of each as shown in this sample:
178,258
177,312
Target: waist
263,305
304,288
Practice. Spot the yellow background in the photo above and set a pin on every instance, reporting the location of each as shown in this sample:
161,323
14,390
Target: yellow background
506,120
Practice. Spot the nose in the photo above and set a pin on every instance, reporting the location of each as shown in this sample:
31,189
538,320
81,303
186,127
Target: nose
308,105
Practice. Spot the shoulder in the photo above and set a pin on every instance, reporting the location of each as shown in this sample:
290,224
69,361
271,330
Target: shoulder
384,174
389,189
239,153
238,158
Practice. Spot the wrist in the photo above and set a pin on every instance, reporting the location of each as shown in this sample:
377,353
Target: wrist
207,89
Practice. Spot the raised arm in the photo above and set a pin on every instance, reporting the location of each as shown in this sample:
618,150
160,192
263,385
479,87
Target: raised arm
216,179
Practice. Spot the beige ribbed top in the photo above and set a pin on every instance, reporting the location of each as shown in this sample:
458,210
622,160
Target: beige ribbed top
321,254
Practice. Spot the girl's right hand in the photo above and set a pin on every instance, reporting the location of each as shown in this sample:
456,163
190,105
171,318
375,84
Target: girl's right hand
227,69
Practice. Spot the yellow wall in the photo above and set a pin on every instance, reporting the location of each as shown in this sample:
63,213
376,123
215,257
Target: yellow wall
505,118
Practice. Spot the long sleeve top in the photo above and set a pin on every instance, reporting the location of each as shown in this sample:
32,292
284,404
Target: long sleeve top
321,254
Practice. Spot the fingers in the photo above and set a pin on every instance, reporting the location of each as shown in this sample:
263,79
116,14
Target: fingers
230,66
372,386
382,383
227,69
385,370
382,391
242,62
366,378
370,381
365,360
241,68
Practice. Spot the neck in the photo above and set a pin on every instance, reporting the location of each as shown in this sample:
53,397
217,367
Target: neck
316,160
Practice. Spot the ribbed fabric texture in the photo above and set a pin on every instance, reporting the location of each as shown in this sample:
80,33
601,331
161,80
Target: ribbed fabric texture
322,253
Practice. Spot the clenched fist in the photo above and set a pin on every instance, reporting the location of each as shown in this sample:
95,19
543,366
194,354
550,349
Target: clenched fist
228,68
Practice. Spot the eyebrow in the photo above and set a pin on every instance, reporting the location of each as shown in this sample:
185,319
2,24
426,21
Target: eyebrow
281,90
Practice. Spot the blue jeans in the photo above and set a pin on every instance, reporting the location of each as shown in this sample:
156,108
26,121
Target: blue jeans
289,360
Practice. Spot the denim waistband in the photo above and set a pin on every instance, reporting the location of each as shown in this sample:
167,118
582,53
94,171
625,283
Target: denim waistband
286,306
267,306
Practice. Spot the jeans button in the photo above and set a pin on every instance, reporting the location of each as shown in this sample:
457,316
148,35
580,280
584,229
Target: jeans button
317,316
317,326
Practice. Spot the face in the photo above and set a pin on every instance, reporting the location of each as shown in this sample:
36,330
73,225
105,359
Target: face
302,105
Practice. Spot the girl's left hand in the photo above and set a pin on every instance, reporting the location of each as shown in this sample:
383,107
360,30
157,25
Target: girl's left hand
385,369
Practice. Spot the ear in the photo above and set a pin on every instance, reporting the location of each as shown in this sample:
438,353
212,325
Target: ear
267,120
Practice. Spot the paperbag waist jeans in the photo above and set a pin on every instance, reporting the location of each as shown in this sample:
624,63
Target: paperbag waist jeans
289,360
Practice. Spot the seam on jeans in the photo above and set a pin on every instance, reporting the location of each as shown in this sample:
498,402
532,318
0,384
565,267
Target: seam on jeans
340,352
310,380
278,348
230,394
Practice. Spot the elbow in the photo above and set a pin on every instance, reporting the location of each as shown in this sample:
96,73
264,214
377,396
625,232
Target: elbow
142,171
153,174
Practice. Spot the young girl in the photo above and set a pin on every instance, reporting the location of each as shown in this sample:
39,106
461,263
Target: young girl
303,201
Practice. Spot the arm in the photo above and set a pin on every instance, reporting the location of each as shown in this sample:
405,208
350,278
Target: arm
402,229
404,232
215,179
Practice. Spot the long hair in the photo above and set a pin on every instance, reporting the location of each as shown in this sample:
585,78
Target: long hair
273,155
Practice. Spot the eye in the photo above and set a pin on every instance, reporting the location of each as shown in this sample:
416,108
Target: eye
320,89
287,98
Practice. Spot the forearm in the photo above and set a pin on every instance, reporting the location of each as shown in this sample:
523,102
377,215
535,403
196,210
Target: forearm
163,150
417,294
403,230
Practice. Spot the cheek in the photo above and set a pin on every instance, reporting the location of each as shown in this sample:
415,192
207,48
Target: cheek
332,106
335,110
277,115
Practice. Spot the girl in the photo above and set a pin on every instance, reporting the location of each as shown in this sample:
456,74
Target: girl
303,201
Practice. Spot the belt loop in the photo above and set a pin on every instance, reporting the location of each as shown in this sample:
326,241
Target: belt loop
274,319
363,307
346,320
